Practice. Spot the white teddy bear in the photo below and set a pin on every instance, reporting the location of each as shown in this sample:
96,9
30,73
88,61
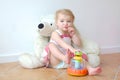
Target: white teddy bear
44,30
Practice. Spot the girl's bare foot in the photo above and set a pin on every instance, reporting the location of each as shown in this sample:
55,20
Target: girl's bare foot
94,71
68,56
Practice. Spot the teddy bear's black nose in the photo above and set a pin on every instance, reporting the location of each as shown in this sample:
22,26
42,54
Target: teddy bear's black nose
41,25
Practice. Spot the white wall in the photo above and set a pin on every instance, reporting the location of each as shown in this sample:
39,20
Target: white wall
98,20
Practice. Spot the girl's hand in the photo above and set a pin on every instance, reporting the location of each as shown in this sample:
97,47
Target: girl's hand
71,31
70,53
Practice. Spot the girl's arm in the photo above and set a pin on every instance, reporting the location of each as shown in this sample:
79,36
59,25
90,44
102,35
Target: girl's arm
75,36
77,40
63,44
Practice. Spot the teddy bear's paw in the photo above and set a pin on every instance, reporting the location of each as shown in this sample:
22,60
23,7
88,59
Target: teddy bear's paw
30,61
93,60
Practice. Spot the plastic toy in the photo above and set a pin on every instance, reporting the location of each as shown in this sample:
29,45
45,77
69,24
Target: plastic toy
77,65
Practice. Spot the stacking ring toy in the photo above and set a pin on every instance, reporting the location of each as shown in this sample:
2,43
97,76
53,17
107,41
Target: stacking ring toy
77,65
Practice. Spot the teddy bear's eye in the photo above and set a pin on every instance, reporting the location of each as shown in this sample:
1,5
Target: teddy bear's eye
51,24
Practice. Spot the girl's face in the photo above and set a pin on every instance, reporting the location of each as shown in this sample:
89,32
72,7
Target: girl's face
64,22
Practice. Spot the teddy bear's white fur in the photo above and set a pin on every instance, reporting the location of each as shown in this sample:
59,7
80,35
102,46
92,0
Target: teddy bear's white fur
44,30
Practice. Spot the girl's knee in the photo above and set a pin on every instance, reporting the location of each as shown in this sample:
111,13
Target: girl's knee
51,46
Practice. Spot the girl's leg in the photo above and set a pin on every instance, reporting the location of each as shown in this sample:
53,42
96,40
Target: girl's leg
56,56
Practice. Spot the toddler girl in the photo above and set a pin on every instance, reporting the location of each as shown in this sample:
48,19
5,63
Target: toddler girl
58,52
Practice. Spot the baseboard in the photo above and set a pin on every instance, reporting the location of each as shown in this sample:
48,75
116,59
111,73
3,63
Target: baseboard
112,49
8,57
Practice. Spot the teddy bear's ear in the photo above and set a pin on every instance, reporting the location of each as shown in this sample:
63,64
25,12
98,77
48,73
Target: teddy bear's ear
48,18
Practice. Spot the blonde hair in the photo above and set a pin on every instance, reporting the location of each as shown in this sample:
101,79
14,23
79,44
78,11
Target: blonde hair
65,12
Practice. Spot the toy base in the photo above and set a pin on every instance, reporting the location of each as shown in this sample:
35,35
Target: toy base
75,72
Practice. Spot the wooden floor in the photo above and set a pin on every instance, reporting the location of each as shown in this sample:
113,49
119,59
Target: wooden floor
13,71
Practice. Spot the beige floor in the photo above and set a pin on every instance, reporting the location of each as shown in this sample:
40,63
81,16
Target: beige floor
13,71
